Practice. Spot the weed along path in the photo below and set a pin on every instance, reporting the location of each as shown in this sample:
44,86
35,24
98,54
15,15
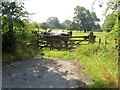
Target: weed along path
44,73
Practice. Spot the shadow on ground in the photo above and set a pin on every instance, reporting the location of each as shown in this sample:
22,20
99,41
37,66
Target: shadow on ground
39,73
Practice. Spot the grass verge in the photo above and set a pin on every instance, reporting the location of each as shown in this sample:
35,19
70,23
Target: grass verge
23,52
101,63
58,54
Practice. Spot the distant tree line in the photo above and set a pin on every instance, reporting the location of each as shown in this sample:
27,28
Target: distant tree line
84,20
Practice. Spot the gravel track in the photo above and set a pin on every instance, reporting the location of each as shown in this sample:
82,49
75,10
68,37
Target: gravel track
44,73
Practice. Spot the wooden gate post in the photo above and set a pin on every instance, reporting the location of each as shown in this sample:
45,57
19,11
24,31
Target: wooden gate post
91,38
99,41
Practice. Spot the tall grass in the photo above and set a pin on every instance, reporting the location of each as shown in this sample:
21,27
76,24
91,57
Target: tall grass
101,63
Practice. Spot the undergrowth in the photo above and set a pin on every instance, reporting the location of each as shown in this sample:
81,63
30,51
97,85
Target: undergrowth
27,48
101,63
21,53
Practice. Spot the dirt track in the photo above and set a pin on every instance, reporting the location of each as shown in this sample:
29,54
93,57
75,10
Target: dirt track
44,73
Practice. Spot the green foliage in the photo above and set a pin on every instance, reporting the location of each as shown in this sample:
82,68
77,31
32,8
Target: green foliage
12,12
54,22
9,42
114,32
26,48
67,24
112,20
84,19
58,54
17,40
62,26
109,22
45,25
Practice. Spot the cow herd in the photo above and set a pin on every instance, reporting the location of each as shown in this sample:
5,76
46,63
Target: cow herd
58,33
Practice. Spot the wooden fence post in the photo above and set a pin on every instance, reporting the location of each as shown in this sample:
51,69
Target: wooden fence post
116,43
105,42
91,38
99,41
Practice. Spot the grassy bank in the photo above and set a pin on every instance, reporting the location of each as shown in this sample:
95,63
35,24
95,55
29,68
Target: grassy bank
21,53
101,63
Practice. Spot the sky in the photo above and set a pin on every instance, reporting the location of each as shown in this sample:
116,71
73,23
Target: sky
62,9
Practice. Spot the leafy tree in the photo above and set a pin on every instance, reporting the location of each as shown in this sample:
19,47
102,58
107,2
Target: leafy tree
114,33
54,22
29,26
98,27
36,24
74,26
109,22
12,14
85,20
114,5
45,25
67,24
61,26
112,20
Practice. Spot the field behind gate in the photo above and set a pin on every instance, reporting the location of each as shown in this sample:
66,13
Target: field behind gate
76,39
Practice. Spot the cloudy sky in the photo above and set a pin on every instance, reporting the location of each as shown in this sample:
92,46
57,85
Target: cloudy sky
62,9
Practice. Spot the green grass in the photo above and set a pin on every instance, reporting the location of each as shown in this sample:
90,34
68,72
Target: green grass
21,53
100,63
78,33
58,54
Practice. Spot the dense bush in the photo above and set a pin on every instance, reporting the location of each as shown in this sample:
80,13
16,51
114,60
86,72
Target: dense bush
9,42
18,42
26,48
